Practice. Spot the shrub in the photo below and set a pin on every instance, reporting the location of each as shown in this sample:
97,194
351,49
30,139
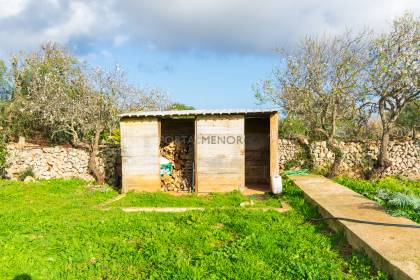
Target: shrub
367,163
292,127
3,156
397,184
291,164
302,159
26,173
322,170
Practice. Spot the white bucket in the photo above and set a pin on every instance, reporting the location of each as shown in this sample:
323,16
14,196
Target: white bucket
276,186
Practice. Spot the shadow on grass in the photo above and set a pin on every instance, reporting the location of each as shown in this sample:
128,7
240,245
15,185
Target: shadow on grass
23,276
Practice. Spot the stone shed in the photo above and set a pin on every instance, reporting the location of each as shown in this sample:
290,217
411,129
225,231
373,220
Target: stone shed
211,150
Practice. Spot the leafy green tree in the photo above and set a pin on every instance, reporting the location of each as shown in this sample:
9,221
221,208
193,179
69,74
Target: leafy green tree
179,106
292,127
5,95
409,119
5,83
6,90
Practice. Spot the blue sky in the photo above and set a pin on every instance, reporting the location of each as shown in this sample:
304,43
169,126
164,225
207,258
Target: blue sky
200,79
205,53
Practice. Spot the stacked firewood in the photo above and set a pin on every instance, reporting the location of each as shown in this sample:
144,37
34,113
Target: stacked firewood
181,154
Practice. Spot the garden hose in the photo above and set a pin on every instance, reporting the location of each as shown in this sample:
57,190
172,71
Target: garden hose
364,222
301,172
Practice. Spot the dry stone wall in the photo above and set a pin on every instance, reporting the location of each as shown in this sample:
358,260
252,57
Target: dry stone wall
60,162
405,155
68,162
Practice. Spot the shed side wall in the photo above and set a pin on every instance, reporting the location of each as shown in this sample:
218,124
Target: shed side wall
140,154
220,153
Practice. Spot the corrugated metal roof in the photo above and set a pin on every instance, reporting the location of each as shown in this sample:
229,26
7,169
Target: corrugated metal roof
197,112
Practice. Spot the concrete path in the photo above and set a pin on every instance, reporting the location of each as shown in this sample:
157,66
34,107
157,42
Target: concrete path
112,200
102,206
395,250
161,209
285,207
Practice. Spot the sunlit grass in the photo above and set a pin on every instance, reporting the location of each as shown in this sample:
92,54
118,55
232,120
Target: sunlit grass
52,230
399,195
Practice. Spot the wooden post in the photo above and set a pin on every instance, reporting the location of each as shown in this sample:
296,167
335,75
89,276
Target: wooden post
196,185
274,144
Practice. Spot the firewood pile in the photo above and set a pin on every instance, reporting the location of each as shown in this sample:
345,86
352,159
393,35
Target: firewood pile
181,155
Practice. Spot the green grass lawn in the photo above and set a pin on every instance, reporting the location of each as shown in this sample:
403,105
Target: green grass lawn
399,195
52,230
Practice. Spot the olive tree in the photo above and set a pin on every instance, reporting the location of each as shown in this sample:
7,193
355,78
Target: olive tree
46,82
107,95
320,84
5,95
72,102
5,83
394,76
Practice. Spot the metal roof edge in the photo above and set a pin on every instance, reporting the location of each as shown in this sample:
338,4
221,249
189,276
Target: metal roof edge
197,112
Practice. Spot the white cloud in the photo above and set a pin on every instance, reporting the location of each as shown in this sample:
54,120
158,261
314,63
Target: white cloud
81,21
120,39
78,23
253,26
11,8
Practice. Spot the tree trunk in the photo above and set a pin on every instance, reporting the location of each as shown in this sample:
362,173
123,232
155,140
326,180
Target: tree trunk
338,157
387,123
93,159
383,157
332,144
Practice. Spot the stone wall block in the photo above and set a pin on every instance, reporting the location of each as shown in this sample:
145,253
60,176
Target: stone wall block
405,155
59,162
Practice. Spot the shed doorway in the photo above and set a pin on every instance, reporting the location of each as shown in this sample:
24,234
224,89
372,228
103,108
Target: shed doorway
257,153
177,149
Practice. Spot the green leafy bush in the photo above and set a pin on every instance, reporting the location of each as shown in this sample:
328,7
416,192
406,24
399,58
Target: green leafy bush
403,204
3,157
293,163
26,173
302,159
399,184
292,127
322,170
